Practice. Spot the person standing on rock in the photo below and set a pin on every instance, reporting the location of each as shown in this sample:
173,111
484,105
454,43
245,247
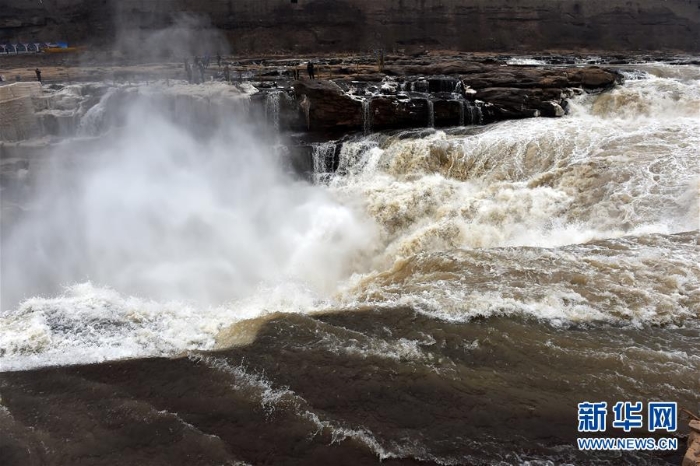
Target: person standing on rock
310,69
38,74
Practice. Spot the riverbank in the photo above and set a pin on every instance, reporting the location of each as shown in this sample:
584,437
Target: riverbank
350,93
108,66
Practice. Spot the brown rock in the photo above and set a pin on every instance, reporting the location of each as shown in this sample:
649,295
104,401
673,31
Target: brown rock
506,93
507,102
445,68
695,425
327,105
593,77
693,437
692,456
390,112
590,78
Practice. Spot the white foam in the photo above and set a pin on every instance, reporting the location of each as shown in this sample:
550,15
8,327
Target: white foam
183,237
200,232
524,61
634,281
610,169
88,324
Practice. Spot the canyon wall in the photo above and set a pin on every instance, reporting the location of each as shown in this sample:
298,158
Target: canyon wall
360,25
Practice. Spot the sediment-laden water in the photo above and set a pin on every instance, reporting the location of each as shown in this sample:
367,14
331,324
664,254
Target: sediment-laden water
444,296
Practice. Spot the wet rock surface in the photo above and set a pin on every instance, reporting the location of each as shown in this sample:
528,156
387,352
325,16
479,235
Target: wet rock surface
325,104
350,94
449,98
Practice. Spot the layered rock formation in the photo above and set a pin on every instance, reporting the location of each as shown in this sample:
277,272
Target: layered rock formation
462,93
335,25
485,94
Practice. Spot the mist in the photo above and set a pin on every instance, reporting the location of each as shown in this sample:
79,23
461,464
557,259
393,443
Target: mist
186,35
157,211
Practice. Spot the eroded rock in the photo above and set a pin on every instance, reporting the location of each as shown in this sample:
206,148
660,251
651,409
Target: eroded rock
409,101
692,456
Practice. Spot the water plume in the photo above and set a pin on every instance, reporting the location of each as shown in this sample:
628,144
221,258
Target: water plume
157,212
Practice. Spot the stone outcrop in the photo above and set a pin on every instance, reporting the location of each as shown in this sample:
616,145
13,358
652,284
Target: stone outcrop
692,456
29,111
486,95
325,105
312,26
19,103
461,93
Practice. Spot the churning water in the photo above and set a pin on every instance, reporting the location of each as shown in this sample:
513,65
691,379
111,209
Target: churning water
445,296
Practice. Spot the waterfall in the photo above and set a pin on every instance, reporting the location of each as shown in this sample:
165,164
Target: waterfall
431,113
461,112
322,154
92,123
272,108
367,116
476,117
305,105
448,85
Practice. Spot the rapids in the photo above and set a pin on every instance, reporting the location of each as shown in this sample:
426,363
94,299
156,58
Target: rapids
571,219
469,257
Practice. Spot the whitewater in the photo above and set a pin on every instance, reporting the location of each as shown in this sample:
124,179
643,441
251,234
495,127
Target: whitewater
165,241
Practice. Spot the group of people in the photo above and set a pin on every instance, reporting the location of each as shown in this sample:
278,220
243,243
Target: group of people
196,70
296,74
201,65
198,64
18,78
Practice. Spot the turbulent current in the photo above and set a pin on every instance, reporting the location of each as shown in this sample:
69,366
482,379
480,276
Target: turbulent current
445,295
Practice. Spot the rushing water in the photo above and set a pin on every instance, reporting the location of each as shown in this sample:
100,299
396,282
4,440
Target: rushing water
367,116
446,297
272,108
431,114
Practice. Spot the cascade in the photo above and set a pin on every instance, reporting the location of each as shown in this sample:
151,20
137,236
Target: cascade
367,116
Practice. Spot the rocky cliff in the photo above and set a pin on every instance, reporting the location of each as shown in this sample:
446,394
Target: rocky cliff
473,94
352,25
